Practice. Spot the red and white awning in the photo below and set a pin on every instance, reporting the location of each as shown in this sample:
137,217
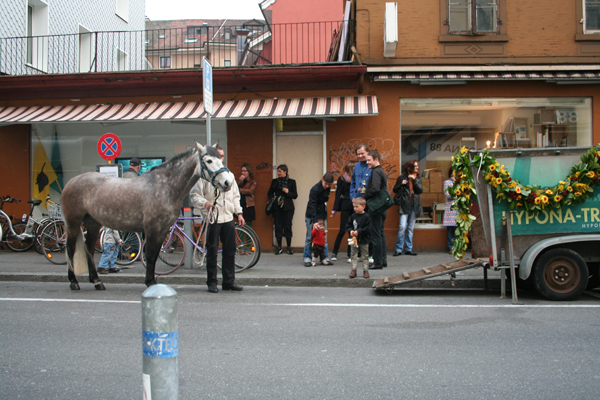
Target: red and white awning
304,107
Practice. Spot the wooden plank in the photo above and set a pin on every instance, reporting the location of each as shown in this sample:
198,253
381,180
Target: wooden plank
406,275
426,270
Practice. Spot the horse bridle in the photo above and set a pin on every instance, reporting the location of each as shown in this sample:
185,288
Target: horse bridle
212,175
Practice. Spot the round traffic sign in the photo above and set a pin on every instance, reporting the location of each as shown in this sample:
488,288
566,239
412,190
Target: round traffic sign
109,146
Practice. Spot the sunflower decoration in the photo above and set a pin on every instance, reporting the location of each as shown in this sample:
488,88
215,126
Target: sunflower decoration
575,189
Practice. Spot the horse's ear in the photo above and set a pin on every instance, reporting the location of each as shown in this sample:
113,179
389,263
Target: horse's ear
216,144
200,147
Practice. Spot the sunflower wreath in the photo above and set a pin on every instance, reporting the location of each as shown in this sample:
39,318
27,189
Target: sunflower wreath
575,189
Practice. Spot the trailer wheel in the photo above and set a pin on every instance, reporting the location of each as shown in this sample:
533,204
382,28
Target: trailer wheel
560,274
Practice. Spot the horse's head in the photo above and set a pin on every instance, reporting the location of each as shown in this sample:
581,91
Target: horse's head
212,169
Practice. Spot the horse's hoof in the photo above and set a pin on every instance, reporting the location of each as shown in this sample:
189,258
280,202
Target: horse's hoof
75,286
99,286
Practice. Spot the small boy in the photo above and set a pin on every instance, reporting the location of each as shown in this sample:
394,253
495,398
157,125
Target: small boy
111,250
318,243
359,228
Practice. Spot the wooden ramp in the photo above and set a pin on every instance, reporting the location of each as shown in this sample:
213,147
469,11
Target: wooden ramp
425,273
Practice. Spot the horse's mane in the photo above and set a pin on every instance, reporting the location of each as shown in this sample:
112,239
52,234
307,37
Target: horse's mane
173,160
212,151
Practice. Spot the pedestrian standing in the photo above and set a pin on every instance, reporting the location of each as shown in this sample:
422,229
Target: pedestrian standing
343,205
408,187
112,240
318,242
359,229
316,209
377,181
283,191
449,214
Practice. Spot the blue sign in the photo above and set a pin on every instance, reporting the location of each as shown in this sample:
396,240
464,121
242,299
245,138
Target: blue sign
207,83
160,344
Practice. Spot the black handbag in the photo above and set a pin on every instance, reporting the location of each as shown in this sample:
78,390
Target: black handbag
270,205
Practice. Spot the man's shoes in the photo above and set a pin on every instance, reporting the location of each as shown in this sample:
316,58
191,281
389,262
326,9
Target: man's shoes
366,274
307,263
326,262
213,288
352,274
290,251
103,271
233,287
278,251
410,253
373,266
384,265
398,253
114,270
334,257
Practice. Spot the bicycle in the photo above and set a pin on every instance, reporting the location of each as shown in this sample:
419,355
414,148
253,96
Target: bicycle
174,248
7,227
54,241
29,228
129,249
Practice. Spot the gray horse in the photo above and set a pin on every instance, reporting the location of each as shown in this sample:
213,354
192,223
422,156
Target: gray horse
149,203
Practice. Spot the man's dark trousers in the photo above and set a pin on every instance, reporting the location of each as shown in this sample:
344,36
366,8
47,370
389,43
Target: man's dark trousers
225,232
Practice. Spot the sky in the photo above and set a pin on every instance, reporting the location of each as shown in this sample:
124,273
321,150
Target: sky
203,9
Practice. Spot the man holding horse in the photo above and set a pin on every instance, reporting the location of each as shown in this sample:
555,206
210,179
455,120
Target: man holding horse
218,209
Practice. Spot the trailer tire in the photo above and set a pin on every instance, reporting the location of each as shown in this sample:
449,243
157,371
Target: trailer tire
560,274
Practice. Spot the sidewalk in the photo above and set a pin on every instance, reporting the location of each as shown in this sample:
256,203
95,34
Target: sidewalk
271,270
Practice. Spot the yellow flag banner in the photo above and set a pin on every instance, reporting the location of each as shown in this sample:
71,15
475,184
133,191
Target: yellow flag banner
43,174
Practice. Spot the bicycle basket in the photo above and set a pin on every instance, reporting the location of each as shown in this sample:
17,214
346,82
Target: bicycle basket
55,211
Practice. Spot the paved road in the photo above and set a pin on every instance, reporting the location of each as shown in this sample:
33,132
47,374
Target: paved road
303,343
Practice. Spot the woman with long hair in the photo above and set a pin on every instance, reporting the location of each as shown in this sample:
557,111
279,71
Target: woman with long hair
408,187
283,190
343,204
247,185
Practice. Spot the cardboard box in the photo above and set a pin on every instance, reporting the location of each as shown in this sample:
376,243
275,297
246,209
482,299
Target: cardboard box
436,182
425,182
427,199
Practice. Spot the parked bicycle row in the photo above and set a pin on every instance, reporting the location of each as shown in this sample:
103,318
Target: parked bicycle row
48,236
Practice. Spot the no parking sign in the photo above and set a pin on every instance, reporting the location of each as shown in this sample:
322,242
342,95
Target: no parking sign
109,146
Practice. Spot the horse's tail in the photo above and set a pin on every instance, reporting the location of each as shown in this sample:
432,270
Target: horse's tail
79,262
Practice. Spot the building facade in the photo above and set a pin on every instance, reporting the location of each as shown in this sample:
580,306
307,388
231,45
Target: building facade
420,79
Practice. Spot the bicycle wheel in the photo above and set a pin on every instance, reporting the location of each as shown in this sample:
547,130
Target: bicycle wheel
39,226
171,256
129,250
54,240
16,244
247,249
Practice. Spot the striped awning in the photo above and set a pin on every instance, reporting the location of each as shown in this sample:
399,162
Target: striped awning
454,78
304,107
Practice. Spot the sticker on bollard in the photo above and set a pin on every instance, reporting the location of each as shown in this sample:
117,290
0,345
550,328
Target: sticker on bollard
160,344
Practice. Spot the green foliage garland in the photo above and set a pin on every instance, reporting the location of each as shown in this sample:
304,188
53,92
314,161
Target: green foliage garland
576,188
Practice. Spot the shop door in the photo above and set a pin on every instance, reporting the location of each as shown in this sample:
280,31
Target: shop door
303,154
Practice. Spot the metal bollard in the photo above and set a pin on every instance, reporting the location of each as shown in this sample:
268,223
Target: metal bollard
160,343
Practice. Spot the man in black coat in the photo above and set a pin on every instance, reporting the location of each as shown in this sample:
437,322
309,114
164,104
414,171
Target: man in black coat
377,181
316,209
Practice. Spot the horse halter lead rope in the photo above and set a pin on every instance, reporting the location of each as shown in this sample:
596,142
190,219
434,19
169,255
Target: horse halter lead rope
211,218
211,175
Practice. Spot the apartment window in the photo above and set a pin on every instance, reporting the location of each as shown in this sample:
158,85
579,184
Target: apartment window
165,62
472,17
227,34
196,30
122,9
591,16
37,34
227,63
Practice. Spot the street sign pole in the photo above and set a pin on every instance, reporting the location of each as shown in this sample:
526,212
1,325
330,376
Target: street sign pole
207,101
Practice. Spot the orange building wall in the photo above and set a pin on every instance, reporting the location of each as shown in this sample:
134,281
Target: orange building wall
536,28
15,168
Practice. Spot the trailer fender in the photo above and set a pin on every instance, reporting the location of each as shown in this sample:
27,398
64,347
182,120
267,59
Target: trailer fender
534,251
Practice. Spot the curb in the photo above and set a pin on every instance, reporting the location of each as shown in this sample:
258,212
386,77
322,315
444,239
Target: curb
342,282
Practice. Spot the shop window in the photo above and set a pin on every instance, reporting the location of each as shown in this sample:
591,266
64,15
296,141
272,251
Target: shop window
479,20
434,129
165,62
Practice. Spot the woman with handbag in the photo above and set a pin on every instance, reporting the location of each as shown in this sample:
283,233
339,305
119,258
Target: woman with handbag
343,205
283,192
247,185
408,187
